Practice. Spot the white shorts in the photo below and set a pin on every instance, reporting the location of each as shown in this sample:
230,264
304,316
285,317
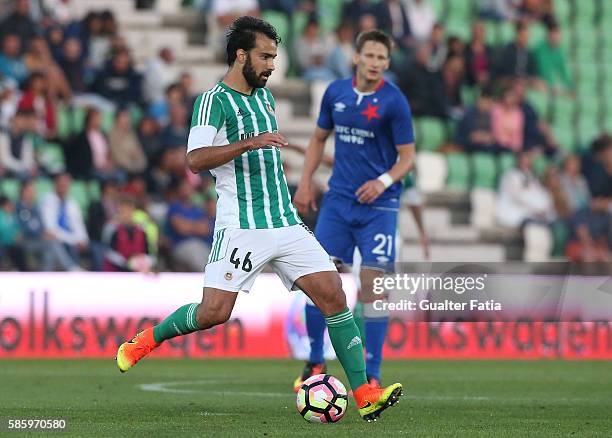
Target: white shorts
238,256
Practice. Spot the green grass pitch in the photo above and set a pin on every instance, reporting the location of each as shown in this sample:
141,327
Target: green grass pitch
253,398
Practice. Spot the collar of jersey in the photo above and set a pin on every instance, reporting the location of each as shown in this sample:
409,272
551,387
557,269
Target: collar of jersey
361,93
230,89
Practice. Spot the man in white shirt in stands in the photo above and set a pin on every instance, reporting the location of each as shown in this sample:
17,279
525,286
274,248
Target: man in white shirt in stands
62,218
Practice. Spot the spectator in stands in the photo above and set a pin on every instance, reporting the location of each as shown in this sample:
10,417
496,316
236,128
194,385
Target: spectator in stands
127,245
149,138
176,132
498,10
224,12
353,10
561,202
189,96
392,17
189,229
126,151
175,95
453,74
421,18
366,22
590,241
96,43
474,132
169,169
119,82
73,65
551,61
537,10
11,61
508,121
35,98
10,234
55,40
597,166
340,60
8,101
438,47
478,56
16,148
63,220
19,22
36,241
516,59
522,198
574,184
311,51
88,154
159,75
536,132
38,59
99,214
424,88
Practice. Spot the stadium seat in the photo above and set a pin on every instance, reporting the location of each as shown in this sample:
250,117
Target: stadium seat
565,133
563,12
537,34
279,21
431,171
458,27
585,13
469,95
540,163
43,186
505,162
108,120
94,191
431,133
482,203
540,101
563,109
64,123
484,170
10,187
507,33
440,7
80,193
329,11
538,243
51,157
458,172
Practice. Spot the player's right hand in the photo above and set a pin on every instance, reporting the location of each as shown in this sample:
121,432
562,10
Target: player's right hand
304,199
267,139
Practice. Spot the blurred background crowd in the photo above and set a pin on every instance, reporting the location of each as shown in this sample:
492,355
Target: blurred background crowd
511,99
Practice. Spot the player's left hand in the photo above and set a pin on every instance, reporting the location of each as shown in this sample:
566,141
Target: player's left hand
370,191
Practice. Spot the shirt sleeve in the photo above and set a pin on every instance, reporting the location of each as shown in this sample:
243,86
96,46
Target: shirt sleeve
401,122
207,119
325,120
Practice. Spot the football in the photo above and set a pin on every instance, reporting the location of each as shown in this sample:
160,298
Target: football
322,399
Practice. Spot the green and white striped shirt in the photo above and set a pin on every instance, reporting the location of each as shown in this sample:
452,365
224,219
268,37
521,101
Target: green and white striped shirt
252,188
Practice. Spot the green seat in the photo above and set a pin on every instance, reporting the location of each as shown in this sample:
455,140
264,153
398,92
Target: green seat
565,133
329,11
469,95
108,121
64,123
460,11
507,33
458,27
563,108
492,32
43,186
432,133
537,34
540,163
280,23
540,101
80,192
440,7
585,12
10,188
78,120
563,12
458,178
484,170
136,115
94,191
51,157
505,162
588,129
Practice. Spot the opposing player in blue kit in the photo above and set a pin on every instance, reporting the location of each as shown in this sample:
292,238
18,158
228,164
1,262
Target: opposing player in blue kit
374,150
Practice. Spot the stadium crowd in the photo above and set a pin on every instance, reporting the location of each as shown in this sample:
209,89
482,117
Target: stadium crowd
92,148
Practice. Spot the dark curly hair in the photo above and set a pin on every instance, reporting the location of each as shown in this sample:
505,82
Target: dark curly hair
242,34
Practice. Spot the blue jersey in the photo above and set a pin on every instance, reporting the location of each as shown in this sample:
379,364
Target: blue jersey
368,127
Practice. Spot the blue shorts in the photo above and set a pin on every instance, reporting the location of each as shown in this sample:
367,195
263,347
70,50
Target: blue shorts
344,224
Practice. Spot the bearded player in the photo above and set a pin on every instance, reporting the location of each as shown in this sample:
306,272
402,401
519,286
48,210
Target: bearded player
234,134
374,151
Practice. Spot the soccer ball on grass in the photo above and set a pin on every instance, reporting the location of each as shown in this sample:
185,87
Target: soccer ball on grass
322,399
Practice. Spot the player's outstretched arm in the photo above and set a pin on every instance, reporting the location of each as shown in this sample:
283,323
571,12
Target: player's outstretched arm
304,196
210,157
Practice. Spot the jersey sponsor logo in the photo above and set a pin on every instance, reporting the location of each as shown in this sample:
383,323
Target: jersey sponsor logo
246,135
339,106
355,341
347,134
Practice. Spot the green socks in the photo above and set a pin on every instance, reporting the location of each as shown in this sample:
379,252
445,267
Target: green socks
181,322
345,338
